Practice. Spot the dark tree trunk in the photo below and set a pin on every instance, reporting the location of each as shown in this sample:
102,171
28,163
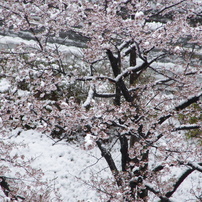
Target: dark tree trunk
124,152
142,163
133,75
120,85
115,64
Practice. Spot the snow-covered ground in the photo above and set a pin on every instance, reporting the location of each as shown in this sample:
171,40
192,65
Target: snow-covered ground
67,166
8,42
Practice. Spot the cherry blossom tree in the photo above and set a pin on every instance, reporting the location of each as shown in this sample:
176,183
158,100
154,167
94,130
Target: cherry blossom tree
141,76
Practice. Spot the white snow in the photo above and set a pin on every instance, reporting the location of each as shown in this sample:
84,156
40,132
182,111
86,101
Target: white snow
10,42
89,98
129,69
4,85
64,164
139,14
89,141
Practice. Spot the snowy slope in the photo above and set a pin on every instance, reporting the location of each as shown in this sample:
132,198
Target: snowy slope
65,165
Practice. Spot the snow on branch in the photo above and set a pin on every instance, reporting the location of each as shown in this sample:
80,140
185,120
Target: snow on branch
156,192
134,69
90,78
123,45
188,102
195,166
104,95
150,188
89,98
164,118
127,71
187,127
161,81
181,106
128,50
183,176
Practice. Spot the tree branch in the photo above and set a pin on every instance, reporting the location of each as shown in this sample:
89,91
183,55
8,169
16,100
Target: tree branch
33,32
181,106
179,182
157,192
120,85
187,127
164,118
115,63
90,78
130,70
124,152
196,166
106,154
104,95
150,188
188,102
168,7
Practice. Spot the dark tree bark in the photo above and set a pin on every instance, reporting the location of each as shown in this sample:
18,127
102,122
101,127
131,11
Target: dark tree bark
115,64
124,152
120,85
106,154
188,102
133,55
179,182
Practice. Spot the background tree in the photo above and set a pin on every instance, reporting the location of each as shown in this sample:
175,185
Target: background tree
134,97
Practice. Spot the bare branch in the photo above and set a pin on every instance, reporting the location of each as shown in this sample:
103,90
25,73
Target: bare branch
168,7
179,182
169,78
34,33
188,102
196,166
106,154
187,127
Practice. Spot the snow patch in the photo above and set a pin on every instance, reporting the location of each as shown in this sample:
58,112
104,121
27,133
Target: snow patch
4,85
66,166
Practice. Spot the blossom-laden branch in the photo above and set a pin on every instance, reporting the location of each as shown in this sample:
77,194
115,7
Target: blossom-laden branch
179,181
181,106
120,31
